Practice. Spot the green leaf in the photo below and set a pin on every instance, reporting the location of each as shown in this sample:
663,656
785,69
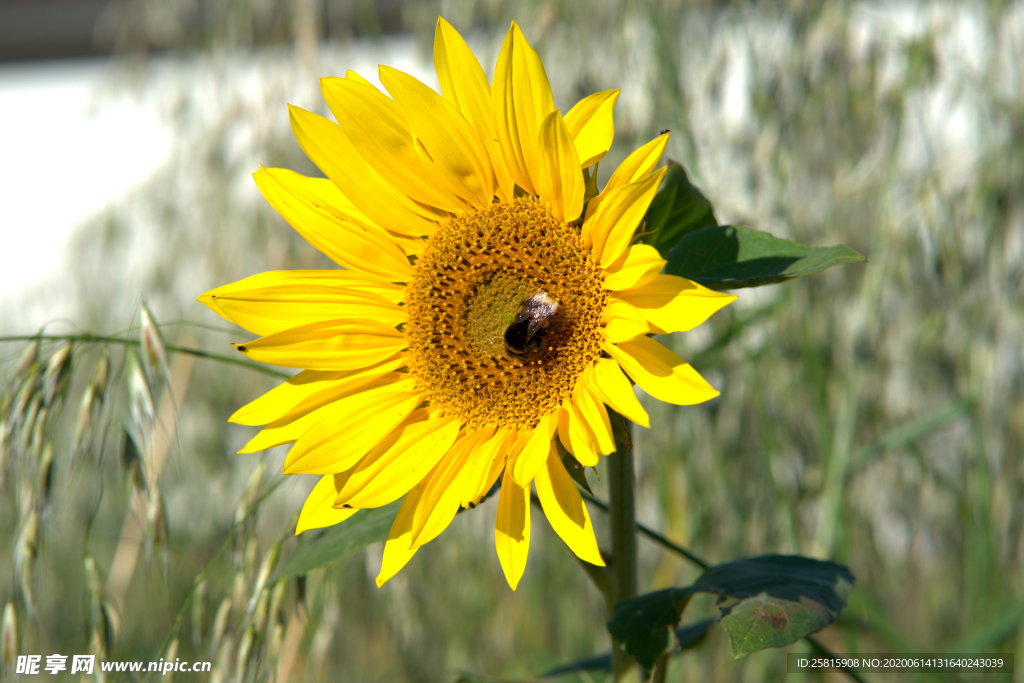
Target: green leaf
782,598
643,624
678,209
735,256
359,530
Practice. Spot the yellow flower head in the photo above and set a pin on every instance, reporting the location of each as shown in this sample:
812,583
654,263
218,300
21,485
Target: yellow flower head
484,309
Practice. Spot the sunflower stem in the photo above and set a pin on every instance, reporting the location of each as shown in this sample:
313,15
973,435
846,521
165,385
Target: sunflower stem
622,511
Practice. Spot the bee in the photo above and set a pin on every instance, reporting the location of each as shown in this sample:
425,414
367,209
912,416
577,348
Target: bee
535,318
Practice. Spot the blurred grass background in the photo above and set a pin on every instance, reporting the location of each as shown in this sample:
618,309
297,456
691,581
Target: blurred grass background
872,414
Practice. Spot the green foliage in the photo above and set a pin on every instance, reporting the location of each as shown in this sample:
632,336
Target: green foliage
735,256
780,599
358,531
678,209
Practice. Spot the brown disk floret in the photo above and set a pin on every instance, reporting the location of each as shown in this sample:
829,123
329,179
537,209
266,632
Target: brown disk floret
470,281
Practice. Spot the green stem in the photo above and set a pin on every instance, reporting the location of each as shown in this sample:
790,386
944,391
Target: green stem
88,337
622,510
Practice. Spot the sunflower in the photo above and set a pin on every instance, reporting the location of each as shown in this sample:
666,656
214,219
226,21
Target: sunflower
447,213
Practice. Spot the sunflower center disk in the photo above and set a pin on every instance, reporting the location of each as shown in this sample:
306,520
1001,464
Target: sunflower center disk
470,282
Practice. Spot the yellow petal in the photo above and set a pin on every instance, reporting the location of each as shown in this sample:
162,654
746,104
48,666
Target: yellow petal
335,444
380,133
512,529
341,280
615,220
485,464
574,435
450,141
674,304
398,462
353,76
328,345
595,417
521,100
443,492
464,84
289,429
635,268
310,389
639,164
615,390
622,322
410,237
281,306
317,511
559,180
591,126
329,147
343,240
660,372
397,550
531,458
563,506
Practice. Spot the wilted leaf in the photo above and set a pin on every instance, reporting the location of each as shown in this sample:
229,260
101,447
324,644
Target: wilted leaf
678,209
359,530
735,256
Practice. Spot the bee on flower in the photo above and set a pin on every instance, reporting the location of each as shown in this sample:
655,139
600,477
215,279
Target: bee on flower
482,311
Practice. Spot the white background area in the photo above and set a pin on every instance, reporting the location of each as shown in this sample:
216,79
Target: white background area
68,148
